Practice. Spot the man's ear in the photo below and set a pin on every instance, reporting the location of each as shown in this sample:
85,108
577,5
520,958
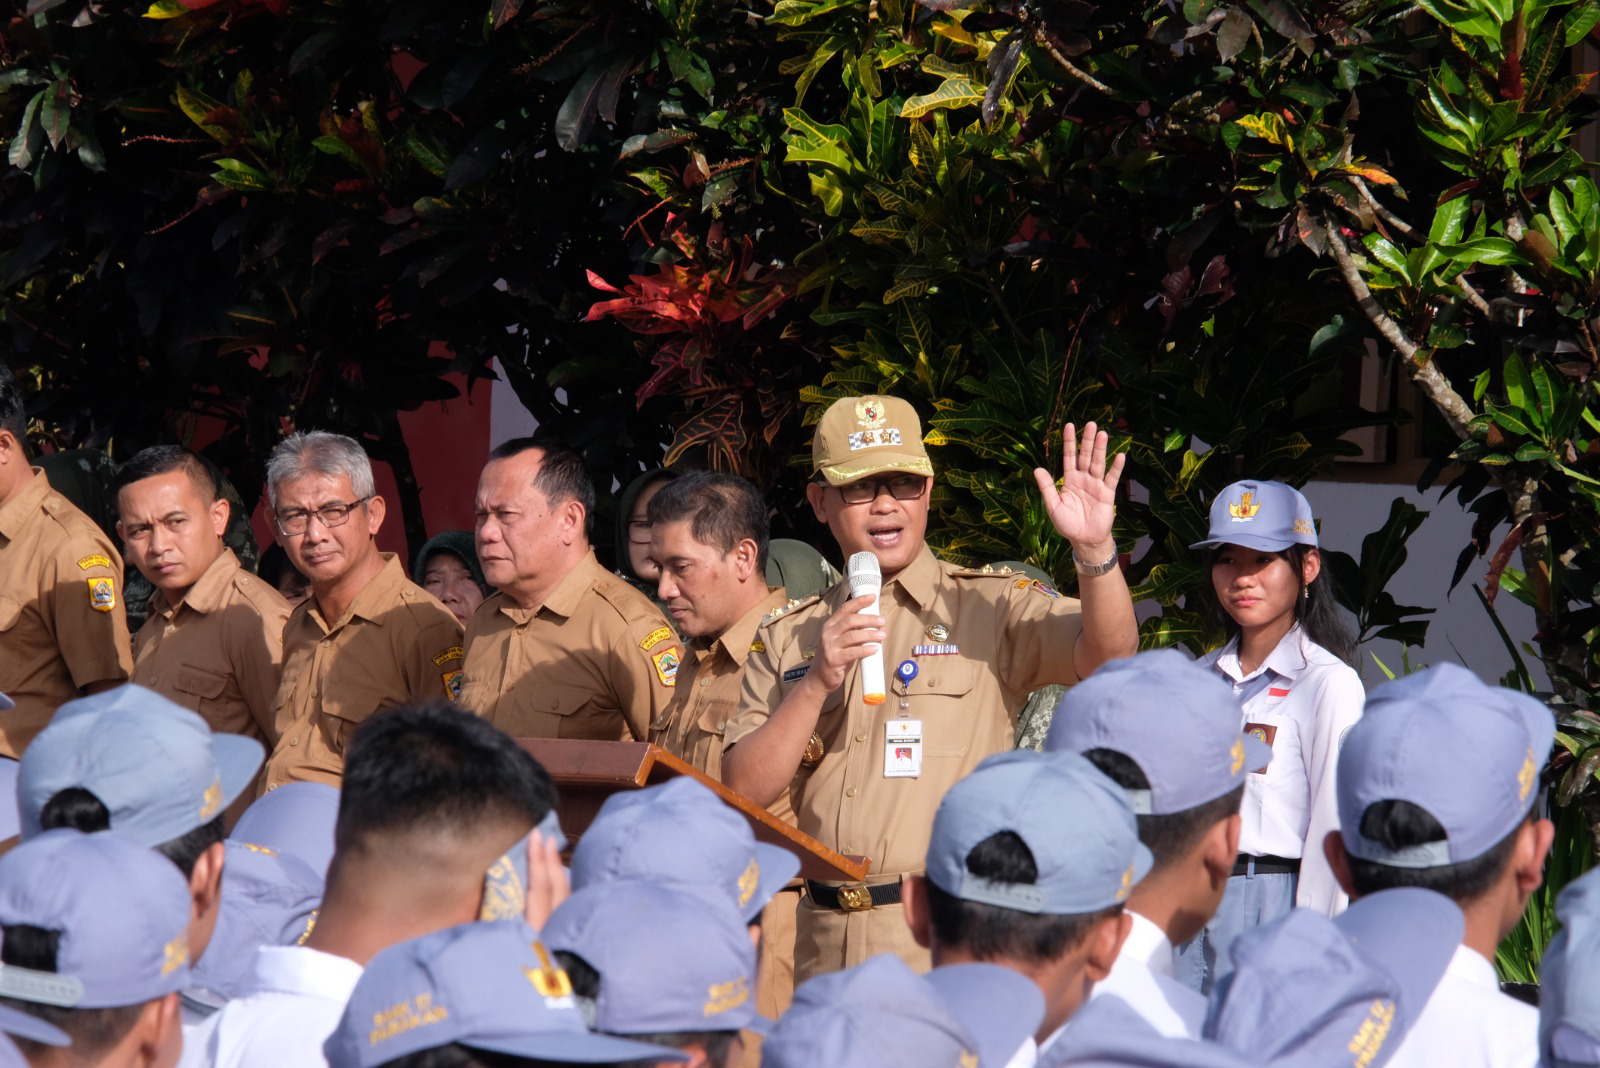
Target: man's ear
1104,943
914,903
157,1037
817,497
1533,843
1221,848
746,559
205,882
220,510
1339,861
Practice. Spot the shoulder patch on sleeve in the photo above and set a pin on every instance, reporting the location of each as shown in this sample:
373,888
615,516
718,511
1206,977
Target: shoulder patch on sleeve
102,594
455,652
666,665
452,683
655,638
94,560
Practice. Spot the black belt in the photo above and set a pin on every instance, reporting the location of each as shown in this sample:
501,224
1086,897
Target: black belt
1266,865
853,897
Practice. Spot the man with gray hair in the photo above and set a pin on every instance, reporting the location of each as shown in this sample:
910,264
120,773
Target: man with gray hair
368,637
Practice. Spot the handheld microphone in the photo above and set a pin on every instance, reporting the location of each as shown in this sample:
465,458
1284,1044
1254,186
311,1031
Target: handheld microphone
864,576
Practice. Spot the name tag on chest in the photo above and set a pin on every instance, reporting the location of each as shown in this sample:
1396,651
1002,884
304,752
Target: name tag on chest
902,749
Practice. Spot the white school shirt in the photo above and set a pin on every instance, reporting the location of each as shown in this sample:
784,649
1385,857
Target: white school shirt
1302,709
287,1008
1469,1023
1142,976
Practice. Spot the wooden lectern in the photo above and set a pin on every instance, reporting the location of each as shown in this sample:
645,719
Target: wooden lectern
588,772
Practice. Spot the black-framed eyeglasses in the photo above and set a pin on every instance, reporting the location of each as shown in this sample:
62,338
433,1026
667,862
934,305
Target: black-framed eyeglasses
298,520
900,487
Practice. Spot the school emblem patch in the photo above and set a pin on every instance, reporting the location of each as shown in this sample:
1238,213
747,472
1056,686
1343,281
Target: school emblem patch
666,662
1245,510
102,594
452,683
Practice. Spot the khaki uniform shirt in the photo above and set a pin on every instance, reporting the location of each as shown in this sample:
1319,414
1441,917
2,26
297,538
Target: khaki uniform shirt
595,660
62,624
396,645
219,651
981,641
707,692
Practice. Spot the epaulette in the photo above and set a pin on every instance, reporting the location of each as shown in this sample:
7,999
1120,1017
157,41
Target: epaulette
799,602
986,571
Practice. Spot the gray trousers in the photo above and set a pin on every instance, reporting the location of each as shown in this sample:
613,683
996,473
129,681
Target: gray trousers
1249,901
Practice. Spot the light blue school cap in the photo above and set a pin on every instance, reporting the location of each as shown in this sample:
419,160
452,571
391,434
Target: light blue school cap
122,911
681,833
155,765
1269,516
296,819
1076,822
486,986
1467,753
1108,1033
881,1014
668,962
1179,722
1307,991
268,899
1569,980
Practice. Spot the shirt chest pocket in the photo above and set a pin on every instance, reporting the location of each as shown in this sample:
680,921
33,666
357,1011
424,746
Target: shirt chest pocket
941,696
200,684
551,711
10,612
715,716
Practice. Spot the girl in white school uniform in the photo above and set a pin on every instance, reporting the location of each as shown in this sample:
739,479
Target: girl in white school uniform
1288,659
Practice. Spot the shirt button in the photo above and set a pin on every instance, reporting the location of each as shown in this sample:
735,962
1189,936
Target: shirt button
294,741
722,727
325,642
861,737
851,792
705,682
153,679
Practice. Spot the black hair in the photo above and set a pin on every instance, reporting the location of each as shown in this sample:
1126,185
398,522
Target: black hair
586,984
163,460
93,1031
1315,607
992,932
81,810
436,766
13,413
562,476
1174,834
458,1055
1400,825
723,510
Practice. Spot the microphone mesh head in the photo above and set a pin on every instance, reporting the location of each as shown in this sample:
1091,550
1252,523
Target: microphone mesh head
863,574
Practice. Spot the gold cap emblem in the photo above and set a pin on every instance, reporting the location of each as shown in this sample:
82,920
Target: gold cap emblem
1236,757
1245,509
869,413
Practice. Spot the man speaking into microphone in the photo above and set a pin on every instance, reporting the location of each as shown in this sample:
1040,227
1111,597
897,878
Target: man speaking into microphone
960,648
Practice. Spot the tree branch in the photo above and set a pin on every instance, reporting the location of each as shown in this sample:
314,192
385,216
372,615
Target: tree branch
1433,382
1042,36
1474,298
1382,212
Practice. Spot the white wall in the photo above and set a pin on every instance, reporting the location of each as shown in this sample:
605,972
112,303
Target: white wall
1461,630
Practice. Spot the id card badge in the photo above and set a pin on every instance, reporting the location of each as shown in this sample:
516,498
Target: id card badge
902,749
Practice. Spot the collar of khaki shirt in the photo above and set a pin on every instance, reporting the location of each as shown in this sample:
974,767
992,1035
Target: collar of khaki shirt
19,509
566,597
1286,659
920,577
206,594
737,639
380,589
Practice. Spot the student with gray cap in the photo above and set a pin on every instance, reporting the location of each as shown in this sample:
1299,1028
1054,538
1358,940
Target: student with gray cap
681,834
1438,788
477,995
881,1014
132,761
297,819
1287,659
1569,980
1306,991
658,965
1031,859
1110,1033
1167,732
94,943
433,799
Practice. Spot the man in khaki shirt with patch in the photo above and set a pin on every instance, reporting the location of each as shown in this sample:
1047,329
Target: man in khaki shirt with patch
368,637
63,633
708,534
962,649
212,640
566,649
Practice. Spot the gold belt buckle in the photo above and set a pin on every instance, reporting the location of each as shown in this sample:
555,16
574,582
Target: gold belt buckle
855,898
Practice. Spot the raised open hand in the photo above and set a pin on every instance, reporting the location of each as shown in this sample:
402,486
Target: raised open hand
1085,504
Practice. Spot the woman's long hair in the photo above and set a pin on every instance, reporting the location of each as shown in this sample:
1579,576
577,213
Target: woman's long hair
1315,608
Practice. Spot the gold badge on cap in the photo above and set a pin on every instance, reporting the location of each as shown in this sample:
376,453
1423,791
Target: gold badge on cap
1245,510
938,632
869,412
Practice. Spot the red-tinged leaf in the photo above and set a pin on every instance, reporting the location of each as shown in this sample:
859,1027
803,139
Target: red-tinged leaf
402,239
719,429
503,11
330,239
1372,174
765,306
55,112
600,283
1456,190
1502,555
